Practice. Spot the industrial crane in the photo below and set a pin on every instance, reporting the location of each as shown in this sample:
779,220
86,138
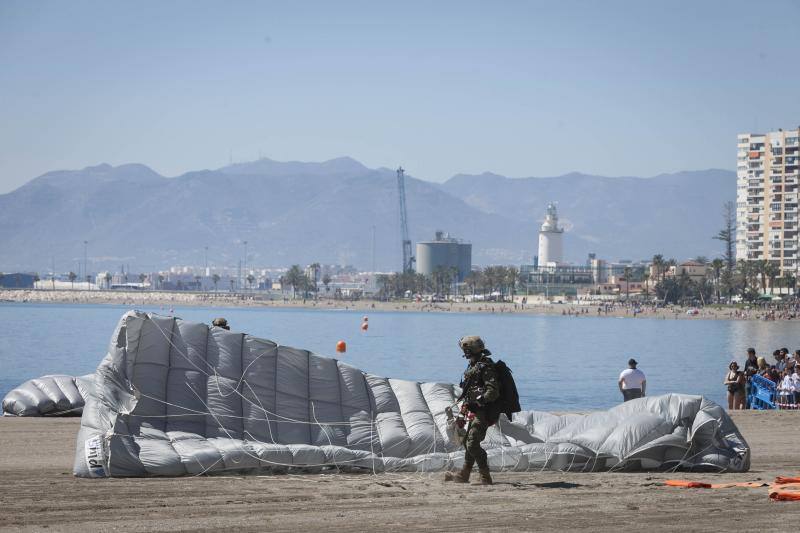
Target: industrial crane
408,259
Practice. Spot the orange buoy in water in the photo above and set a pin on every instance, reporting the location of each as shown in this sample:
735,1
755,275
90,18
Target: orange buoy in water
341,346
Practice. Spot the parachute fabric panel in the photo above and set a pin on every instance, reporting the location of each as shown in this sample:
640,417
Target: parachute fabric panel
176,398
51,395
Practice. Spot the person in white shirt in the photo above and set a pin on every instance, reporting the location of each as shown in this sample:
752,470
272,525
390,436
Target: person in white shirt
632,382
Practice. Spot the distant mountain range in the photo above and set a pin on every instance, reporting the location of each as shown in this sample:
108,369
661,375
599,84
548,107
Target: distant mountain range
294,212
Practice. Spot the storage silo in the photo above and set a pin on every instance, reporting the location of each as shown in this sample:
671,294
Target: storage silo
444,251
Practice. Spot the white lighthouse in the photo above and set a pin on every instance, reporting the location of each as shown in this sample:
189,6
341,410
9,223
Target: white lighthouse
551,247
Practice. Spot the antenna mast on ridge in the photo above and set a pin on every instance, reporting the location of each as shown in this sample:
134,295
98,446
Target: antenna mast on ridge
408,259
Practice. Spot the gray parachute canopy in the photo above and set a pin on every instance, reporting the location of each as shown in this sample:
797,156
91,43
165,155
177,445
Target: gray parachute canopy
54,395
175,398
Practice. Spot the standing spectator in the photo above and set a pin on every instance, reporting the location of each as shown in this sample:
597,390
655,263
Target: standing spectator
632,382
780,360
734,381
796,382
750,370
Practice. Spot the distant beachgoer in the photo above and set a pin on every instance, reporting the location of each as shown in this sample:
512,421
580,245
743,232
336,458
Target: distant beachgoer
734,381
221,323
750,370
632,382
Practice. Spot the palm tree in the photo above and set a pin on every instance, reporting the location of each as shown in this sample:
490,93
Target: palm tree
646,284
108,277
215,280
761,271
315,268
716,268
72,276
294,277
232,283
658,264
512,275
160,281
326,280
745,272
250,279
771,271
791,281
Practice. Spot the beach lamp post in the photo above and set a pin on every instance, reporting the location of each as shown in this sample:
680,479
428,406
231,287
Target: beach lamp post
245,259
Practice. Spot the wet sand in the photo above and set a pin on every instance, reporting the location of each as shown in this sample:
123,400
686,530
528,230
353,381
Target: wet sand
38,492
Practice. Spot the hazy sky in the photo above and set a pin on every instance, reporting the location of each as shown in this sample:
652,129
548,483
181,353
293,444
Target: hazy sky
517,88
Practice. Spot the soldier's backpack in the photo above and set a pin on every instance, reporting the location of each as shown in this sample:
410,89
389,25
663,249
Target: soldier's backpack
508,402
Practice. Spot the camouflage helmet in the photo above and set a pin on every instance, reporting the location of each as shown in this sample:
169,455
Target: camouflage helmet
220,323
472,344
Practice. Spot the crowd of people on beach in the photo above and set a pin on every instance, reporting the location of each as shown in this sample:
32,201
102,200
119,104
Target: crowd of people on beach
784,373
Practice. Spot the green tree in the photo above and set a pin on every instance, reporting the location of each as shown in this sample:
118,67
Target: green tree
250,279
745,279
627,273
108,277
72,276
215,279
326,281
294,277
716,271
791,281
772,271
658,266
728,237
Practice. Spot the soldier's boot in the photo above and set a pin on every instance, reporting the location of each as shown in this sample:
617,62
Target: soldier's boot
486,476
459,477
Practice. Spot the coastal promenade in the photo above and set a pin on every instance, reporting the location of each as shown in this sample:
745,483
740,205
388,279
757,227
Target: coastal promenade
168,299
39,492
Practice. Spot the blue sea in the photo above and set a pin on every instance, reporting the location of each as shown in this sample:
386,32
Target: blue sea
560,363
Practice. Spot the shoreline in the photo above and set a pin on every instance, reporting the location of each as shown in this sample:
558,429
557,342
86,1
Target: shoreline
245,301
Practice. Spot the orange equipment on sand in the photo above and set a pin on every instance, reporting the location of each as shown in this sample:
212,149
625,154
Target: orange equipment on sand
783,489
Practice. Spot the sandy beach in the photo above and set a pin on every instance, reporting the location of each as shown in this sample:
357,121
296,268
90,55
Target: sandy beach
38,492
168,300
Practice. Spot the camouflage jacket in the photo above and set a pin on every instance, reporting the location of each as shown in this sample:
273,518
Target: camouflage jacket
480,383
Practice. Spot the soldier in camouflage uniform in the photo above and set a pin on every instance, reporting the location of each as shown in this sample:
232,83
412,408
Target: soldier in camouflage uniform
480,388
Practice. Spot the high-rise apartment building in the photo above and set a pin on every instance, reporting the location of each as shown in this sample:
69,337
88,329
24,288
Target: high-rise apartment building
767,171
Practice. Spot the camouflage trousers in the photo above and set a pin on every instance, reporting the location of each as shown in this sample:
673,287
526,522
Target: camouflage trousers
476,432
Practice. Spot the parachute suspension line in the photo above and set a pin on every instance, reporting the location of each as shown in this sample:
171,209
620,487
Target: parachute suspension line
325,432
371,441
266,415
